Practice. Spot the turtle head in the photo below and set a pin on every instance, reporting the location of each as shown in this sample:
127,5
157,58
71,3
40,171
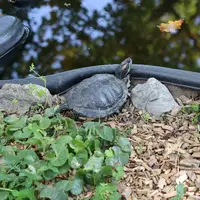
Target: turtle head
123,69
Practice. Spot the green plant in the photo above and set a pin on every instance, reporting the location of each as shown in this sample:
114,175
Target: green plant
34,88
146,116
106,192
180,190
194,108
32,69
38,155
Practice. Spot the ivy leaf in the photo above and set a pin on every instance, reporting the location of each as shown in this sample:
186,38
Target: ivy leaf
124,144
53,193
45,123
77,186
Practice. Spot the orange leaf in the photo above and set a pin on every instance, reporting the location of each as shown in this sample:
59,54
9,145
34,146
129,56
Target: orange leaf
171,26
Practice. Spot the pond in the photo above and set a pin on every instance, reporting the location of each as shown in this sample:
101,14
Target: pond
78,33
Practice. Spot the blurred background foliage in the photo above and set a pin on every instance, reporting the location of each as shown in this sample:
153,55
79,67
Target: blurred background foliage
77,33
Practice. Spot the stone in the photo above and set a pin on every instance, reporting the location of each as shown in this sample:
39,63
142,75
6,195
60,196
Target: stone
153,97
18,99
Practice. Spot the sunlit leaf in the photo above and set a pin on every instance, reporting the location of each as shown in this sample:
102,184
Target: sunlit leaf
171,26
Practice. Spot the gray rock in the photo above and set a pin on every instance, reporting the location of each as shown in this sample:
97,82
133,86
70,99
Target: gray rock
153,96
18,99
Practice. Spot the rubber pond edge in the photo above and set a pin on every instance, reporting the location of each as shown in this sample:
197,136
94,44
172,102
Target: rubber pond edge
59,82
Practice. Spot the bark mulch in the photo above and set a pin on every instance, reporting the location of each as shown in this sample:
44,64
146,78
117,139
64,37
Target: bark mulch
166,152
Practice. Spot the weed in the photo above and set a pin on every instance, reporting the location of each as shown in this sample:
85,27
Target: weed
180,190
146,116
195,108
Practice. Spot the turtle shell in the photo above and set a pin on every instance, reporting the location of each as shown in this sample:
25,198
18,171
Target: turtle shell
98,96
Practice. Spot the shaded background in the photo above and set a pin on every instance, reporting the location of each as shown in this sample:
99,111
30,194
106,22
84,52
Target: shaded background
69,34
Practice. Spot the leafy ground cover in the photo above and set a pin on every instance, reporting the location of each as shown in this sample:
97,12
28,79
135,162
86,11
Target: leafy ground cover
48,156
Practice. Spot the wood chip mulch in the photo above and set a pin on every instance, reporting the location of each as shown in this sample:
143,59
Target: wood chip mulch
166,152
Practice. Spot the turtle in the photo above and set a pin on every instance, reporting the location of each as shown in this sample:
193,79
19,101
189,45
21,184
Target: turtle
100,95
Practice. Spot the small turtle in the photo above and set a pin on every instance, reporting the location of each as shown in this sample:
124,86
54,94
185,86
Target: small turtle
100,95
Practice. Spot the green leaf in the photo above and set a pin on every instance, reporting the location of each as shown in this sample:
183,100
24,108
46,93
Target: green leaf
4,195
118,159
11,119
15,193
45,123
49,174
106,191
64,168
106,134
61,155
124,144
119,173
2,126
26,193
82,156
77,186
92,127
29,156
180,190
94,163
77,145
53,193
50,112
18,124
35,118
74,163
7,177
23,135
64,185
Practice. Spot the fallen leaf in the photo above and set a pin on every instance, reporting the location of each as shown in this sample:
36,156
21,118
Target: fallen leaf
171,26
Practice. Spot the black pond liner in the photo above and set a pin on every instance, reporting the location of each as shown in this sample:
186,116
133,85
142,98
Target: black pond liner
61,81
13,35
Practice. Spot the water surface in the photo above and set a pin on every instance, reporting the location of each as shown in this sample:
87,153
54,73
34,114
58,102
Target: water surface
77,33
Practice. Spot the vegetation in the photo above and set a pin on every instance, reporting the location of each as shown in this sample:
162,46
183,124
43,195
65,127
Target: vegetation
50,156
180,190
194,108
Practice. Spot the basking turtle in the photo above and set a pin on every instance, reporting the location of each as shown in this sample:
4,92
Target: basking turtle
100,95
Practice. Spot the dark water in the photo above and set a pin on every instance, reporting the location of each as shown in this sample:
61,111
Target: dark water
69,34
